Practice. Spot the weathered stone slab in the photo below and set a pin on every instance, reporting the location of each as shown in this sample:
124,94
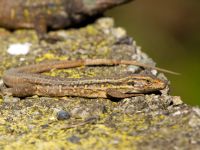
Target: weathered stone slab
145,122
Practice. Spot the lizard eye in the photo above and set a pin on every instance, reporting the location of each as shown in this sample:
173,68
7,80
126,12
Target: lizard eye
147,81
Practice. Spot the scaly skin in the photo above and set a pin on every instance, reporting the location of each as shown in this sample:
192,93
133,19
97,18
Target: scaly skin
25,81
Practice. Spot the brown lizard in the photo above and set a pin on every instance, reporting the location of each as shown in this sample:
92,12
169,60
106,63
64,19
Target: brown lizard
26,81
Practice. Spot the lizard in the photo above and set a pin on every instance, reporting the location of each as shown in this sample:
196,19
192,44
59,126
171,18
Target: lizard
53,14
26,81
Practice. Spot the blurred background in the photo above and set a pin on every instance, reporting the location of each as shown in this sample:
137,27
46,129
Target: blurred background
169,32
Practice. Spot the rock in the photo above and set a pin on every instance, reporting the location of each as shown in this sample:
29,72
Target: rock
151,121
63,115
74,139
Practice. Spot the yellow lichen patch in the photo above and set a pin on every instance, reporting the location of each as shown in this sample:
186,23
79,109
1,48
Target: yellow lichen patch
70,73
175,126
51,56
1,100
91,30
27,14
157,119
91,74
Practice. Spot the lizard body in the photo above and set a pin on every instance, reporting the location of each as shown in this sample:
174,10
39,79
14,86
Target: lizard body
26,81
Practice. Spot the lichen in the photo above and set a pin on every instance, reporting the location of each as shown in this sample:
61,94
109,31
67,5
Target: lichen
143,122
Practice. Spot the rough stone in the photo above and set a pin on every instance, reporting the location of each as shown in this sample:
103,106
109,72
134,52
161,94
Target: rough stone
155,121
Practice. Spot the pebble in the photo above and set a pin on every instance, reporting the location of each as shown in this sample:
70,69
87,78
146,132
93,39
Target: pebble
19,48
74,139
63,115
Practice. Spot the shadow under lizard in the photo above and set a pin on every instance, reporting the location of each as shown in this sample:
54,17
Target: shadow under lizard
26,81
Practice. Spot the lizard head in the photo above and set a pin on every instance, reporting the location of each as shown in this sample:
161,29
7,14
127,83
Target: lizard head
144,84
